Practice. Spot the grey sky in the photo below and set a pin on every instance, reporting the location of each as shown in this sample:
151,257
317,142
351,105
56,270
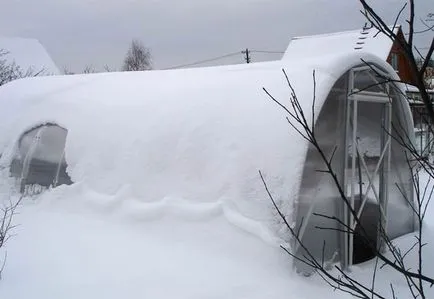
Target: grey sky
97,32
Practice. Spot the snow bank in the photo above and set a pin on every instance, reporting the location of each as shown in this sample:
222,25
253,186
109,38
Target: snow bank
58,254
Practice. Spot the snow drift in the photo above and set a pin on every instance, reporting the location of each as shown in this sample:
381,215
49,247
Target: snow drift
200,135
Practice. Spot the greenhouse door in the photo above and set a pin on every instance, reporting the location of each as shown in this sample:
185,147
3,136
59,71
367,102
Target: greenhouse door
367,164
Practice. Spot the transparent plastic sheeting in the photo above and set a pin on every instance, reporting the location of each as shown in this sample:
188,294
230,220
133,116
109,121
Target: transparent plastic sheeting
319,199
39,161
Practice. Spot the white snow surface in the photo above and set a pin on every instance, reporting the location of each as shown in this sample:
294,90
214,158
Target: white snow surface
65,247
372,42
61,254
28,53
166,201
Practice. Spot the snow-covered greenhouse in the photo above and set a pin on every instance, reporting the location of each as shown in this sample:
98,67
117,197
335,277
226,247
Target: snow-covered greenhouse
202,135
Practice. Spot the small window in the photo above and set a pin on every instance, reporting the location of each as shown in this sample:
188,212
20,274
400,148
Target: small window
367,80
394,61
40,159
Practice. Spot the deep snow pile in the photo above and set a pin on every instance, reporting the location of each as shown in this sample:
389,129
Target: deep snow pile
63,249
197,135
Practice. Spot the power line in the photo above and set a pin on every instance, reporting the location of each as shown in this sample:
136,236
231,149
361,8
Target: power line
245,52
248,57
268,52
204,61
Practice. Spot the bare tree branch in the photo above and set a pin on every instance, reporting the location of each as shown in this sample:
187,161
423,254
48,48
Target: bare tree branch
7,213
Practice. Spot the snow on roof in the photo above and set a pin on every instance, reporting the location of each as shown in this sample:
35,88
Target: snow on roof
367,40
198,135
28,54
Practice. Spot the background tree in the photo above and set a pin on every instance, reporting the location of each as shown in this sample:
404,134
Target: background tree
89,69
138,58
67,71
109,69
10,71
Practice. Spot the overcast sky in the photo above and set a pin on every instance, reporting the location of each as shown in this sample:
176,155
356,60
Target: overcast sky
97,32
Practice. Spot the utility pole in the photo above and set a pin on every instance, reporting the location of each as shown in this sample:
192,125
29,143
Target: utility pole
247,53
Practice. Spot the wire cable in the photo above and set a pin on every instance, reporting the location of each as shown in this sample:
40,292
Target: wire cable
204,61
265,51
221,57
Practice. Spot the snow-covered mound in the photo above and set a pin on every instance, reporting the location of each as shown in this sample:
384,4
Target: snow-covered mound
59,254
61,250
166,199
199,135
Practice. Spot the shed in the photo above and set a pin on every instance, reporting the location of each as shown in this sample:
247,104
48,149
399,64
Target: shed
201,135
29,54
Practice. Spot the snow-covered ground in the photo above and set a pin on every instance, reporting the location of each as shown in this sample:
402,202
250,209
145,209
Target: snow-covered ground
87,246
62,251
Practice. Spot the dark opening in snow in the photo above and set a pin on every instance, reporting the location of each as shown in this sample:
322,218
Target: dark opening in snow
39,161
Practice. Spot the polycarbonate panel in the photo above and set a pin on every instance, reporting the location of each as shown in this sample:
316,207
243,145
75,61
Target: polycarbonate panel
367,80
40,160
376,120
400,214
318,192
369,134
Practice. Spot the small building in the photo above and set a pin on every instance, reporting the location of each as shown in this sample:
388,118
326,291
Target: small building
202,135
29,55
